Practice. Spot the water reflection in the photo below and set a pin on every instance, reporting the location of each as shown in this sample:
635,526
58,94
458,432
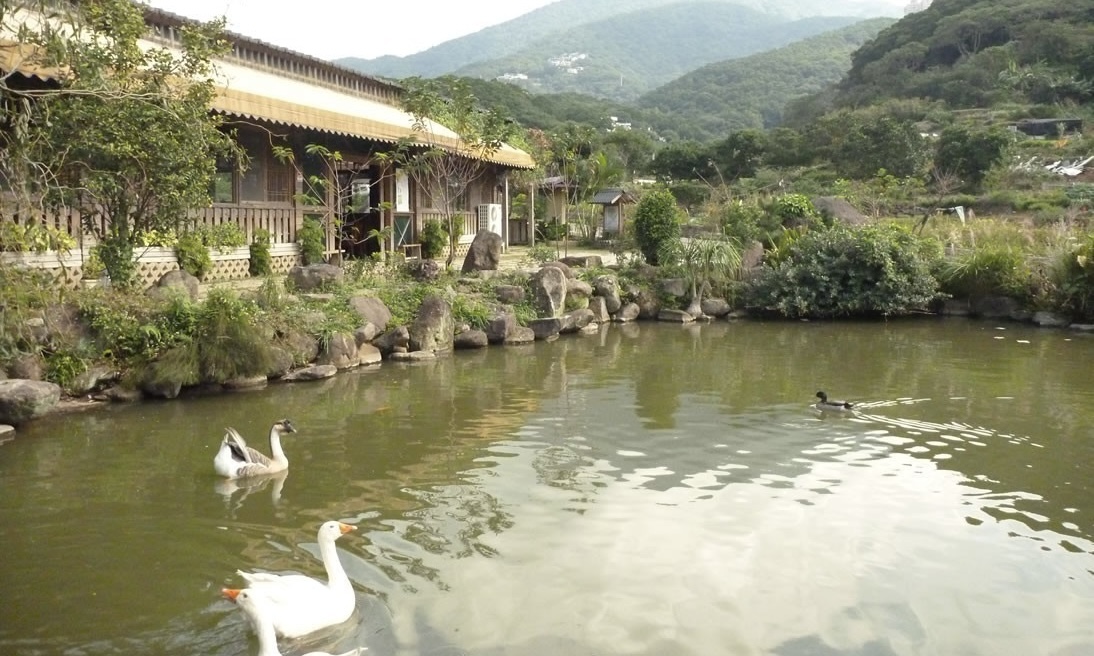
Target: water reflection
236,490
644,489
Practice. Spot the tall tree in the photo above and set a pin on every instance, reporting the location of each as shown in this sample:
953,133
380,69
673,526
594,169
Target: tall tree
970,154
860,143
739,154
123,133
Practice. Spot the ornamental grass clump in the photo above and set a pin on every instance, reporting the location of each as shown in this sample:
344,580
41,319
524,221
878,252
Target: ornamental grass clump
987,271
225,343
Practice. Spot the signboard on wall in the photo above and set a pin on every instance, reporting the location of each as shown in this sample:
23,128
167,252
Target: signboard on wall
402,192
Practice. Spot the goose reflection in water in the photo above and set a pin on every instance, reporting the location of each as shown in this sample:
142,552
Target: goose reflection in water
236,490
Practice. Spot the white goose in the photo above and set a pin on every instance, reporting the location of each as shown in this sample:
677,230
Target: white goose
297,605
258,610
237,460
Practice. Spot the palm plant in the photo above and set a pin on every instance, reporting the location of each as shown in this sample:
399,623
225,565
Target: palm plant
701,261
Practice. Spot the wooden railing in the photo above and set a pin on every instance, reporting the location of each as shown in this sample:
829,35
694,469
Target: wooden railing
467,222
281,221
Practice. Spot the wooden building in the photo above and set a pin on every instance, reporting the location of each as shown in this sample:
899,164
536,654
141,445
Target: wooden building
273,97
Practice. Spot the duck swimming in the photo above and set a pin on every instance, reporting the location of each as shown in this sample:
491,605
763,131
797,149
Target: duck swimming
831,404
237,460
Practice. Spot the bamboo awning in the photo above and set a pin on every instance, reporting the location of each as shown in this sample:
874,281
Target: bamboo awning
267,95
259,94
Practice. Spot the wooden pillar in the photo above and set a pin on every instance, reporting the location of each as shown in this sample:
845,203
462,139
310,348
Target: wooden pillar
531,213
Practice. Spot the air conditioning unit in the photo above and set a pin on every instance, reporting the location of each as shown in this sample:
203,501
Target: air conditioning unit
490,218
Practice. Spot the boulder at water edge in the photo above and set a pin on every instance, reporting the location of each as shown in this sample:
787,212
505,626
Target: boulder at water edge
22,400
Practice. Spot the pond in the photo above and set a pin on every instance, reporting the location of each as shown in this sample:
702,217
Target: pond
648,489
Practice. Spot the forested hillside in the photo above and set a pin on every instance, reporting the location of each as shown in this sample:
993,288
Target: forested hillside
549,111
563,16
750,92
626,56
979,53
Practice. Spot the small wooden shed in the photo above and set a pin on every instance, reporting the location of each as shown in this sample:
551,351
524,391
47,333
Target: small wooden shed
613,200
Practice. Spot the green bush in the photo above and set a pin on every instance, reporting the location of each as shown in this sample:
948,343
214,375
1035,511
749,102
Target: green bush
746,222
117,258
540,254
63,366
656,223
878,270
261,263
1074,281
793,210
550,230
131,328
224,342
222,237
193,255
311,238
472,311
433,239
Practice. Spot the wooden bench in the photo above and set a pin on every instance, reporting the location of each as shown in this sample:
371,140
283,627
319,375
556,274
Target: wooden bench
412,251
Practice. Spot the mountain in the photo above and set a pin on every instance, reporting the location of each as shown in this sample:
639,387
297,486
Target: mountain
549,111
623,57
750,92
979,53
560,17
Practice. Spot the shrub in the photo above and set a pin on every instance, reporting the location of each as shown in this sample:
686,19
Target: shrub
63,366
132,327
193,255
746,222
224,343
792,210
1074,281
540,254
656,223
261,263
433,239
311,238
550,230
470,310
879,270
223,237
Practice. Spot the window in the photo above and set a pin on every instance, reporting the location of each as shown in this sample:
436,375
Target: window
252,184
223,188
437,196
279,182
266,179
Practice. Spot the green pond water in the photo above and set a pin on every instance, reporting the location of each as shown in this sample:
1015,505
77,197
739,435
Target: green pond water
650,489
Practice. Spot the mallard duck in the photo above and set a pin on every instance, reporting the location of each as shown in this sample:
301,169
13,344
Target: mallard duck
831,404
298,605
236,460
258,611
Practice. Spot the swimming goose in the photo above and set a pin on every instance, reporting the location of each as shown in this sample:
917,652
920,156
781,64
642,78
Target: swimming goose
258,610
826,404
236,460
298,604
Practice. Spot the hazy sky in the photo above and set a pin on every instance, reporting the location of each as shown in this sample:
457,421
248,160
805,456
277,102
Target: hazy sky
346,28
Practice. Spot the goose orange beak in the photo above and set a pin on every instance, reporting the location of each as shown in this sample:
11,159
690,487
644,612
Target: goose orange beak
346,528
230,593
